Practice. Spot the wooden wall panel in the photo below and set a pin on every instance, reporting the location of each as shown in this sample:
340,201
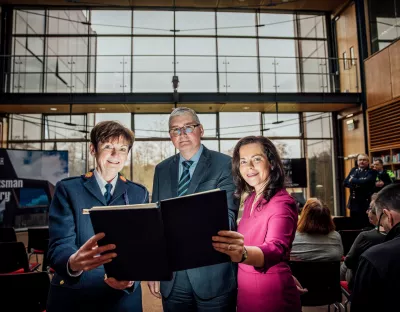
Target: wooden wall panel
394,55
353,143
346,30
383,125
378,81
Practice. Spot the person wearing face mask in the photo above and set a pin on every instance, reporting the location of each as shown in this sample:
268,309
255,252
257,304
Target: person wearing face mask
79,282
265,232
376,286
361,182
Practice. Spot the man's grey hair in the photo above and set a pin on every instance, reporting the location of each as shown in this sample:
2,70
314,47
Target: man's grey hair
179,111
388,198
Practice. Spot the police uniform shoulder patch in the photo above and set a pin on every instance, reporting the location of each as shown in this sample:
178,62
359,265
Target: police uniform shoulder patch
88,175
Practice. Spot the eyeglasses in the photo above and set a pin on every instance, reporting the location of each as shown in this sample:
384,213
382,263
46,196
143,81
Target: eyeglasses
186,129
379,224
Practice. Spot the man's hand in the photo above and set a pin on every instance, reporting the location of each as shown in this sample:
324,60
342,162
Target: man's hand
379,184
88,256
120,285
155,289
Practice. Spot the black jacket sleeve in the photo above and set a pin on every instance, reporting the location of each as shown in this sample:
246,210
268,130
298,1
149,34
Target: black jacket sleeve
366,293
369,179
355,252
346,181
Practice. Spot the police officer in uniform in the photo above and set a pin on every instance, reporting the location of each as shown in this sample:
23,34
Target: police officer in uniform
383,177
361,182
79,283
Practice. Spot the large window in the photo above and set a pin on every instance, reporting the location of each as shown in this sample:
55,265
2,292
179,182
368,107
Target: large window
384,17
296,135
124,51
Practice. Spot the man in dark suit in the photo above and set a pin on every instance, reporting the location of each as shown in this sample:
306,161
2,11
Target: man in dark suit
196,169
79,282
361,182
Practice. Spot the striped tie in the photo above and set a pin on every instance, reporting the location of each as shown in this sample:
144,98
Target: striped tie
184,181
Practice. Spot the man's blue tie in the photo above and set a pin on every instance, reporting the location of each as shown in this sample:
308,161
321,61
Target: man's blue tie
107,194
184,181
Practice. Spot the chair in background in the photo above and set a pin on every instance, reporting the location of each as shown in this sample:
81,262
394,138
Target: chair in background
349,223
38,241
322,279
15,259
347,293
24,292
7,235
348,238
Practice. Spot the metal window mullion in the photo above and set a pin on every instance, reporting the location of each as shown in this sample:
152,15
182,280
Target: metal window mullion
88,63
131,73
300,65
218,131
44,63
216,50
258,53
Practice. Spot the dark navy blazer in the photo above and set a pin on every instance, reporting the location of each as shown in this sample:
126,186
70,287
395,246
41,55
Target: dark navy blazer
214,170
69,230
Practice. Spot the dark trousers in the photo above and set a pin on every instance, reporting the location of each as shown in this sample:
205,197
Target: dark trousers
183,299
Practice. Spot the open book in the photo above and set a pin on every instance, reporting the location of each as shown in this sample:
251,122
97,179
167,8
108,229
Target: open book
154,240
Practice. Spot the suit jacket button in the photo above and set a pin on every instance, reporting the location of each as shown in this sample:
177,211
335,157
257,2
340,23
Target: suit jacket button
62,282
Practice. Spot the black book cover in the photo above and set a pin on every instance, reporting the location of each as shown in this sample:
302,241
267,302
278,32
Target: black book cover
153,242
140,243
189,224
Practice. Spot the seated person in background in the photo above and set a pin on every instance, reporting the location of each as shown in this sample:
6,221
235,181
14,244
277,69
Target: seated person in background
363,241
316,238
376,285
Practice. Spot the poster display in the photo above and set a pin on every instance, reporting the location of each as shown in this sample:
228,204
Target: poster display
27,182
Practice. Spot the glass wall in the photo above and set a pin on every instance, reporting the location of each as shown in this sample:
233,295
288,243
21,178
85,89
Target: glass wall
123,51
297,135
384,17
320,157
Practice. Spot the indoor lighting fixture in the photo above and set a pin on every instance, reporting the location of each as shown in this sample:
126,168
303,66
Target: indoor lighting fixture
102,108
175,82
53,108
246,107
349,115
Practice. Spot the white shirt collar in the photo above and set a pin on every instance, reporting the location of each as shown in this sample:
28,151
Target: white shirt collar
102,183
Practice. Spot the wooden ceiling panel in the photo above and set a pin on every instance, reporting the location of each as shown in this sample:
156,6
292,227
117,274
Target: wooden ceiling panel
167,108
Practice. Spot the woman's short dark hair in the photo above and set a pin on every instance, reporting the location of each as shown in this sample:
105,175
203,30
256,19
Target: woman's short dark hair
315,218
107,131
276,178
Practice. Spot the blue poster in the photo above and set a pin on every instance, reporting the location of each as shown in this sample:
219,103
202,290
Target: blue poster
27,182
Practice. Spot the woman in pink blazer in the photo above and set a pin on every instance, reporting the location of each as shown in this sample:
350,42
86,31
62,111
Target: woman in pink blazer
265,233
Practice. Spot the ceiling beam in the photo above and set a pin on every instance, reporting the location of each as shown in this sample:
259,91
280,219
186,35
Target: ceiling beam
151,98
